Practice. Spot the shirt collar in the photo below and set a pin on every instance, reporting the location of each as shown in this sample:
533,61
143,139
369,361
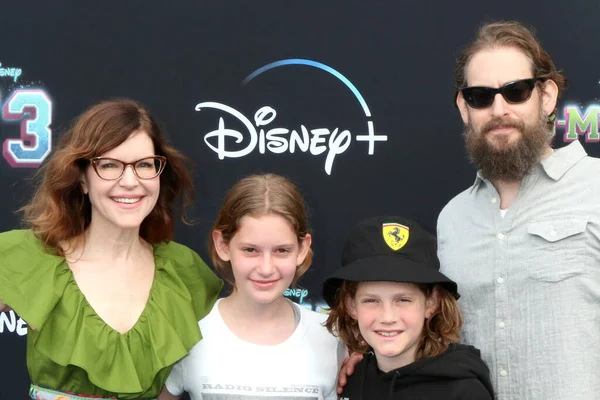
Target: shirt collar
555,166
563,159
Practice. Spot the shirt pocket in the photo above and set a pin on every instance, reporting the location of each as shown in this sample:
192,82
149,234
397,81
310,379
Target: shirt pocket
558,249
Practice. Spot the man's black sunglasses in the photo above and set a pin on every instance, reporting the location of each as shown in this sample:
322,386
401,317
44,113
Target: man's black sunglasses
513,92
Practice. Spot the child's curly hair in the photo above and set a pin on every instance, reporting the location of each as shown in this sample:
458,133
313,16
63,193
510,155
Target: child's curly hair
441,329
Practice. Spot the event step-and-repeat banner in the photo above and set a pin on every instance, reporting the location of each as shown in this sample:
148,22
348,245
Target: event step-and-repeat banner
352,100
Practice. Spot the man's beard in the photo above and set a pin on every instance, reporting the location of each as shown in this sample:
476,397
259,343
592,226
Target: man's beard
508,162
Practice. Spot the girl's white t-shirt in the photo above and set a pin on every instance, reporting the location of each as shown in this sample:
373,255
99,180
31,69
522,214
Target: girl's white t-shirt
223,367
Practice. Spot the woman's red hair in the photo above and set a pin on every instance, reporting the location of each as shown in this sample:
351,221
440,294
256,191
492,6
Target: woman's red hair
59,211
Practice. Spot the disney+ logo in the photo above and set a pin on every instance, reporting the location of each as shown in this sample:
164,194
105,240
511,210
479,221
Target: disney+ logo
262,132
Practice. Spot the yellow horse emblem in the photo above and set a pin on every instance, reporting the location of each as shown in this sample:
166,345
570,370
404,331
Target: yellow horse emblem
395,235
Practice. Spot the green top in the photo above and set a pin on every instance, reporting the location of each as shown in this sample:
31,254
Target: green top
73,350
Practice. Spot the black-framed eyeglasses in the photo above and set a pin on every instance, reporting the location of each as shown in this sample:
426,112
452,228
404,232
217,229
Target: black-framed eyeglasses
513,92
111,169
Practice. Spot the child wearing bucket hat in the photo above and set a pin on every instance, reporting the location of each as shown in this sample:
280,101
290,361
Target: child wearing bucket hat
389,301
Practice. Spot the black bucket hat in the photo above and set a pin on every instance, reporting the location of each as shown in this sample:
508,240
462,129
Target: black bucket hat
388,249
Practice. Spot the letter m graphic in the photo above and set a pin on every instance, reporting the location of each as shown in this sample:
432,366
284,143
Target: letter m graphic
577,125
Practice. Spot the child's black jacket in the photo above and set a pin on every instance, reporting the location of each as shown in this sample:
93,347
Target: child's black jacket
459,373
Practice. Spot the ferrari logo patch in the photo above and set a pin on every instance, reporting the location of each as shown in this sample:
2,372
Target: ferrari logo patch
395,235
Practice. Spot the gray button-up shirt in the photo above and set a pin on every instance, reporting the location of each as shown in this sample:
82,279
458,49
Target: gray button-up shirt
530,282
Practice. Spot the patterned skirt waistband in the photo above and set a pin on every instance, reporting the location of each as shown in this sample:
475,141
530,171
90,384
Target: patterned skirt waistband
41,393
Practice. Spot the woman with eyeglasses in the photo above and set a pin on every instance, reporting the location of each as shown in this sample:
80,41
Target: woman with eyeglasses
111,302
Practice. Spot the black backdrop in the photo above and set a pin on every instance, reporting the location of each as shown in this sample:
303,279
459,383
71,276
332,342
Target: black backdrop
344,65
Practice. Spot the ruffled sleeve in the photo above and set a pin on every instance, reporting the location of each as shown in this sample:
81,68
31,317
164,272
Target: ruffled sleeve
30,282
201,282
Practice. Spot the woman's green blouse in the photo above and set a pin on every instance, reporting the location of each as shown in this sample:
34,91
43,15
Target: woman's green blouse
71,349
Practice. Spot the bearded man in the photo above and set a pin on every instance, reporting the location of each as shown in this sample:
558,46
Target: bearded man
523,242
